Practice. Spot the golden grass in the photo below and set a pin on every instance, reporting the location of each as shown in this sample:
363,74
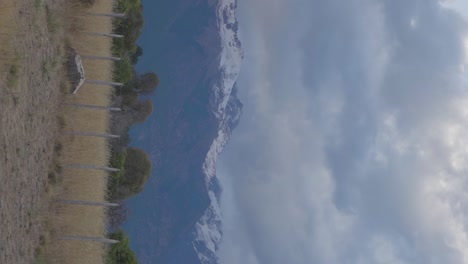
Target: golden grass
8,30
81,184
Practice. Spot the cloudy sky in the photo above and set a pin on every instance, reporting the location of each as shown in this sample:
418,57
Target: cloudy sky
353,147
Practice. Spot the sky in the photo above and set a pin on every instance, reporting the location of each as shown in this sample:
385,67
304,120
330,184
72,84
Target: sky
353,145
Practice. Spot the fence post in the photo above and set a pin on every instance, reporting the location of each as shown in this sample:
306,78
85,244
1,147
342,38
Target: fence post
104,83
91,167
95,239
77,202
91,134
97,107
110,35
117,15
91,57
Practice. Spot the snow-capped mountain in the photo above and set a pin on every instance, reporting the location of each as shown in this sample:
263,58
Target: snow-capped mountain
231,55
227,109
176,219
209,228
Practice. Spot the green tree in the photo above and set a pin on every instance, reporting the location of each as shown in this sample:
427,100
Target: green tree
137,170
117,215
121,253
147,83
123,70
137,54
117,160
143,110
131,25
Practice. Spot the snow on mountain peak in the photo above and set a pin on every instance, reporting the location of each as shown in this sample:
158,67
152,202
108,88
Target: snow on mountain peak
227,109
230,63
231,52
208,232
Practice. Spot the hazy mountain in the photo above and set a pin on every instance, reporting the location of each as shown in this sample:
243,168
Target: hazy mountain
176,219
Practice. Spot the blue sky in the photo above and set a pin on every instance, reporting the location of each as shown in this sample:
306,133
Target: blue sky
353,145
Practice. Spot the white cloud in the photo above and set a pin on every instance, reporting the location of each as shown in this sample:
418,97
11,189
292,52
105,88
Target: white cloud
459,6
352,147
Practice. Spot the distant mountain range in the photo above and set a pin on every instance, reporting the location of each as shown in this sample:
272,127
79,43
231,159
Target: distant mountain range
176,219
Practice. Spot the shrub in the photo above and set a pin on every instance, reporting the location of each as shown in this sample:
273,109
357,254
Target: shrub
136,172
121,253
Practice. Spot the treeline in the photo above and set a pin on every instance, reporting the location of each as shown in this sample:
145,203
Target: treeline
134,163
128,49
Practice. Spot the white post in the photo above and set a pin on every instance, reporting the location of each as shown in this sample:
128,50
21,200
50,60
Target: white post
95,239
90,57
104,34
118,15
91,134
91,167
104,83
97,107
76,202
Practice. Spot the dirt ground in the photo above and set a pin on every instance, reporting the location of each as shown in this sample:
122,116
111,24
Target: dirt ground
28,127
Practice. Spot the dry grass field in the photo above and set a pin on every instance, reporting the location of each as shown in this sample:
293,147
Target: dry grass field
34,118
82,184
29,102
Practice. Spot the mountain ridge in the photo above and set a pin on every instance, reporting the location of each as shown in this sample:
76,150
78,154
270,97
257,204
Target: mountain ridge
177,217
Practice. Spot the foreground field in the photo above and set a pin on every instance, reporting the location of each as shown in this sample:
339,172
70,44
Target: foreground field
29,99
35,150
84,184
